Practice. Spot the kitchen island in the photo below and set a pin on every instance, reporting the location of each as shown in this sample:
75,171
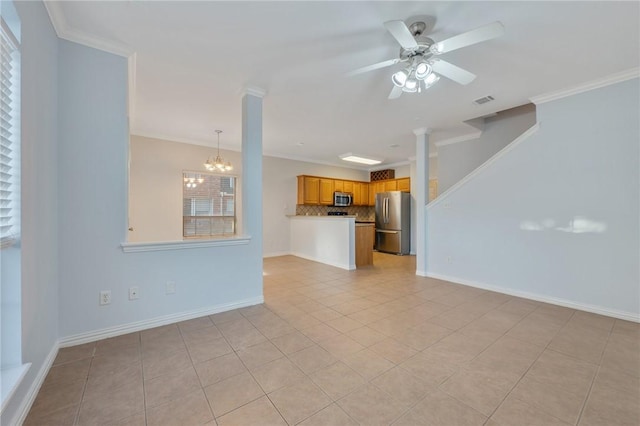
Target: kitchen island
326,239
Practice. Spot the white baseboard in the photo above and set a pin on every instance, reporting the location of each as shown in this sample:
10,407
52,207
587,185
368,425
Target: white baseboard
118,330
30,397
276,254
421,273
326,262
627,316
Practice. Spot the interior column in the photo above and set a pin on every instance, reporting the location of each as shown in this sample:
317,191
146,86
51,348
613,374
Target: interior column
252,175
421,198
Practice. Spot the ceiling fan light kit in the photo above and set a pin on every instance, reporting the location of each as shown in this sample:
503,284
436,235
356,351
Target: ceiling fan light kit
420,51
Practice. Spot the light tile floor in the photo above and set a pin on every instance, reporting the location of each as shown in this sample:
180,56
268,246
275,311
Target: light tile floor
375,346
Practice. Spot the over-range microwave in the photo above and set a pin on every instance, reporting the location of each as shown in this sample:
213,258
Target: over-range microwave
342,199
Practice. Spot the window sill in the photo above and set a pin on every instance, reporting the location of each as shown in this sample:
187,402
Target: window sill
11,378
184,244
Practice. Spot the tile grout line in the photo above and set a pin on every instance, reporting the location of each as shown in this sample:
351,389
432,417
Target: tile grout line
595,376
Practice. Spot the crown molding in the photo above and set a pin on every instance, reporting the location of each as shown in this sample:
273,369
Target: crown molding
458,139
413,158
313,161
254,91
585,87
421,131
64,31
386,166
207,144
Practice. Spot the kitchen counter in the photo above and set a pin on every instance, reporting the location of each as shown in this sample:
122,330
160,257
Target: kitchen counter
325,239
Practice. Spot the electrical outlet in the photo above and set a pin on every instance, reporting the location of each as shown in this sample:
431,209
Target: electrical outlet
171,287
134,293
105,297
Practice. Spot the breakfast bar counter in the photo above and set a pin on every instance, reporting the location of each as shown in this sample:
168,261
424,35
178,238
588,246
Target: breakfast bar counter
326,239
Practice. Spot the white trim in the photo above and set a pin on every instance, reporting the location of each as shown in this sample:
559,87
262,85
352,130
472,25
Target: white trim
56,16
276,254
627,316
585,87
254,91
334,264
60,25
165,138
36,384
458,139
421,131
131,86
533,129
92,336
351,166
181,245
386,166
10,379
421,273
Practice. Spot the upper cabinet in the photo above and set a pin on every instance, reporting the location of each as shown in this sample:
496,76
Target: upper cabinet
308,190
326,191
404,184
315,190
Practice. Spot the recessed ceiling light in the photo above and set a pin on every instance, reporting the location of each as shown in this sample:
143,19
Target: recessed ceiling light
300,143
357,159
395,145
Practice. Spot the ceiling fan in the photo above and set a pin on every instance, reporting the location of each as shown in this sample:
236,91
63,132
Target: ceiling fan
421,54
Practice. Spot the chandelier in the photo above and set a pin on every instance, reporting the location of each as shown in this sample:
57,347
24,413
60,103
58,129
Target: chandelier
410,78
218,164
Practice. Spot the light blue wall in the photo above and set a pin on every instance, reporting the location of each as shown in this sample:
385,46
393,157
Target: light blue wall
457,160
556,217
39,195
93,193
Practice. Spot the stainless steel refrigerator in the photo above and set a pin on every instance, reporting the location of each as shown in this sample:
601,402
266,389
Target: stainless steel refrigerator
393,222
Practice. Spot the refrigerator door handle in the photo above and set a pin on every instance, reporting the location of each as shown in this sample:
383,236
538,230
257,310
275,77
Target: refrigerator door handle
382,231
386,210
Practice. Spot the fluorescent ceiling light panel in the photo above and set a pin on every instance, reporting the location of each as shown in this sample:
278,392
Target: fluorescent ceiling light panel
362,160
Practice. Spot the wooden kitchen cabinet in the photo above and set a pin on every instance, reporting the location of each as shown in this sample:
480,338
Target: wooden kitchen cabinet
348,186
308,190
364,194
314,190
404,184
360,194
357,194
326,191
364,244
391,185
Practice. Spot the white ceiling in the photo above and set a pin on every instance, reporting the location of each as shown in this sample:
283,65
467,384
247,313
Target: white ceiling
193,60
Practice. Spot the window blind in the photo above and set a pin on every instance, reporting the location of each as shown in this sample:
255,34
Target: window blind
9,136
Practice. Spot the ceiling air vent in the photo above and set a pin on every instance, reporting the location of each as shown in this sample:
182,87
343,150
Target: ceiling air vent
483,100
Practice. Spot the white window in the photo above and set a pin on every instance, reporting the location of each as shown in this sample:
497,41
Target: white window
208,205
9,137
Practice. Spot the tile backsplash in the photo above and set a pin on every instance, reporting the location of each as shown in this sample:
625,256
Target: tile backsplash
362,212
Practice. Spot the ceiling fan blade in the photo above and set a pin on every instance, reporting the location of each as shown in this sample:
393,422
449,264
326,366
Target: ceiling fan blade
373,67
452,72
401,33
484,33
395,92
